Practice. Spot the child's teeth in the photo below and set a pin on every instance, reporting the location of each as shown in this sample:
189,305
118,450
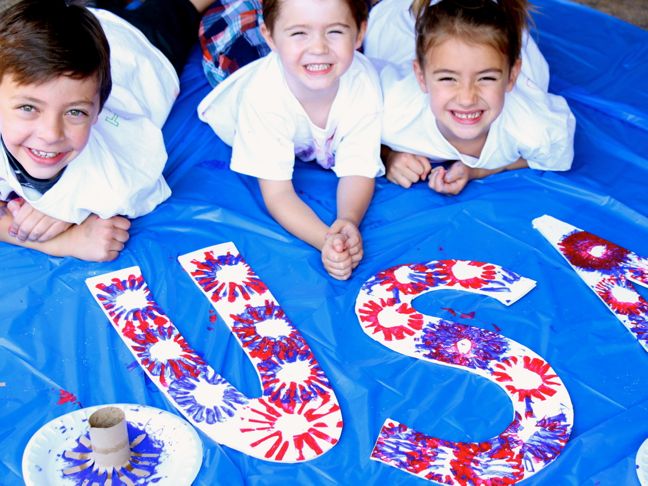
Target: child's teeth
44,155
467,116
317,67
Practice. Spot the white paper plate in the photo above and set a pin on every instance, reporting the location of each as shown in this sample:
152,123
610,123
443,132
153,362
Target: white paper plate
179,461
642,463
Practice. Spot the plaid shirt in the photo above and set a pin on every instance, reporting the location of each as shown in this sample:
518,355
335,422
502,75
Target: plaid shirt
230,37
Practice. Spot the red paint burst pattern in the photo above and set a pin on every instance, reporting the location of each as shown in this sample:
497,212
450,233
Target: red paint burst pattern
445,271
588,251
266,422
420,279
605,290
547,388
370,313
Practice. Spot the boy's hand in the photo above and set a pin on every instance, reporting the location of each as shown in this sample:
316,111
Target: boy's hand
342,250
96,239
450,181
335,257
406,169
353,241
29,224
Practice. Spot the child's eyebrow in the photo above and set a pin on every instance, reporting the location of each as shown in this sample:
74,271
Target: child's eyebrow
483,71
338,25
31,99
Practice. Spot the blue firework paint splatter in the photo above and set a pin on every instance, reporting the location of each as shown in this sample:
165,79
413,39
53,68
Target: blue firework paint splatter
639,326
287,393
407,449
546,443
145,457
185,362
458,344
207,276
150,313
183,393
244,326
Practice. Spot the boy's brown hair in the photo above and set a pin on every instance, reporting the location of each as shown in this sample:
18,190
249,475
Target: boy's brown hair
359,12
44,39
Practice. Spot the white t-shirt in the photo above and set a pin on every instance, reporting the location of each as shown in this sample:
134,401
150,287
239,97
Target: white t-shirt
119,171
390,38
255,112
533,124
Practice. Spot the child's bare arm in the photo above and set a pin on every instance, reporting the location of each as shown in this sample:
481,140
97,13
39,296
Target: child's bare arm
29,224
292,213
404,169
354,194
95,239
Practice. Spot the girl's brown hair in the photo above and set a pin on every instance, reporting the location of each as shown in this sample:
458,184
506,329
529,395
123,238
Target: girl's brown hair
43,39
498,23
359,11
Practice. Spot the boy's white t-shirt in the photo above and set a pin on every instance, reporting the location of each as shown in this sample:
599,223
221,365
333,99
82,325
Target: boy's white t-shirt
533,124
255,112
391,38
119,171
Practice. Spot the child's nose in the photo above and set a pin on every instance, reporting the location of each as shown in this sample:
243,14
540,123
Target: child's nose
467,94
319,44
51,130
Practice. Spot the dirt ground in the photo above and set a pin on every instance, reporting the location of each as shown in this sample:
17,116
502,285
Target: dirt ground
632,11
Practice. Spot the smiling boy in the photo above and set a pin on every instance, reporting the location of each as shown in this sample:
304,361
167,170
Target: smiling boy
83,97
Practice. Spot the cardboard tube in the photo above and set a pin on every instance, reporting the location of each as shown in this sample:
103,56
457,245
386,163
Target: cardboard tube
109,438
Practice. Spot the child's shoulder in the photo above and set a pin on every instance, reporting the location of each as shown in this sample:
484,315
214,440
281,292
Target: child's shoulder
362,77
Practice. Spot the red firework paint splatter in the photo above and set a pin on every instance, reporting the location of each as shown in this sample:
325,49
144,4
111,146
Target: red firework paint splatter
579,248
268,416
535,365
370,314
605,289
445,271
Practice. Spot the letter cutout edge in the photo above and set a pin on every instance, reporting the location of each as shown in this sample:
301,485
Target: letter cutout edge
607,269
298,417
543,413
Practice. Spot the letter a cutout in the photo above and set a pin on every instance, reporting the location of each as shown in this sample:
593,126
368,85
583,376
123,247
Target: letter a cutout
606,268
543,414
298,417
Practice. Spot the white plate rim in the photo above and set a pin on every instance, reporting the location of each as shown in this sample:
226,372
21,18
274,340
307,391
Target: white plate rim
45,436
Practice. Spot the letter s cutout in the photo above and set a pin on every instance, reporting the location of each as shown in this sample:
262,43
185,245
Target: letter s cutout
606,268
298,418
543,414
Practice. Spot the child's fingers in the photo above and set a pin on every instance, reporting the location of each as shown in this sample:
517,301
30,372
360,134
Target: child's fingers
15,204
120,222
341,272
424,166
29,228
404,178
436,179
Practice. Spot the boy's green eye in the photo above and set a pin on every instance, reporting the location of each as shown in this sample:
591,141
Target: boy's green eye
26,108
77,113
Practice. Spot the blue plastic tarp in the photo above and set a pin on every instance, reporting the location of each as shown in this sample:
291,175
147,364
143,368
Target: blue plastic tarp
58,352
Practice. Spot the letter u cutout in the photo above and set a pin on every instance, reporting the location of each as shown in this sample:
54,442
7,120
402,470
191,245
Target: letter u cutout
543,414
298,417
